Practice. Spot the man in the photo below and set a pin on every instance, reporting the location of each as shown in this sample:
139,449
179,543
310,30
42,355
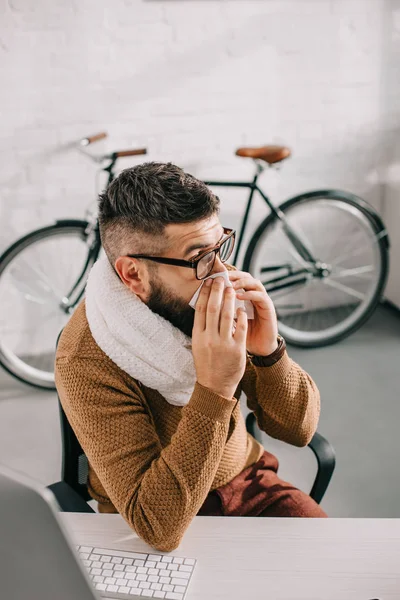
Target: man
151,387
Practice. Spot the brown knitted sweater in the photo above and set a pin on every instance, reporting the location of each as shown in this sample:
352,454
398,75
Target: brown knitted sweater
155,463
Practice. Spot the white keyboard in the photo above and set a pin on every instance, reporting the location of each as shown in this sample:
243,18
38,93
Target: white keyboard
121,574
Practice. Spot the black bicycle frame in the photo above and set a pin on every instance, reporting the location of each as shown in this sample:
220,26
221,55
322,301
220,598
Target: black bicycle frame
292,278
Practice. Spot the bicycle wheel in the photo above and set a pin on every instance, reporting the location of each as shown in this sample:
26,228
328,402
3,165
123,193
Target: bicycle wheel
349,240
36,273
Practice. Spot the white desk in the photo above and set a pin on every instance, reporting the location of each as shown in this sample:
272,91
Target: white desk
272,559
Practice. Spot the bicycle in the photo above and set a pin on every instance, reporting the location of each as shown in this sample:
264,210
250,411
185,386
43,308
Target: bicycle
293,251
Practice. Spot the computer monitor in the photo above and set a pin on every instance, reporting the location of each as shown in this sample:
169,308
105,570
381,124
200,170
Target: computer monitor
37,558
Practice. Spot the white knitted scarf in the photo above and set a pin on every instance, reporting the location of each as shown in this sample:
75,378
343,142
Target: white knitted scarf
143,344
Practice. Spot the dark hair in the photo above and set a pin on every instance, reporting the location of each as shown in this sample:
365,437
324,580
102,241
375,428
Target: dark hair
146,198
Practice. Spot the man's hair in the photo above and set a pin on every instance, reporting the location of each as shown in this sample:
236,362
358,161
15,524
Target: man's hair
143,200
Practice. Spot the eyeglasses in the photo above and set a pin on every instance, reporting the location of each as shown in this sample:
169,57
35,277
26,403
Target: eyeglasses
204,262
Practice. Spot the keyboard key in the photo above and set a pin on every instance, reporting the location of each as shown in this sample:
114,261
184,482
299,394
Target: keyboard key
101,587
144,585
155,557
95,571
141,577
105,559
107,573
139,563
165,573
86,549
135,591
120,567
94,556
177,560
156,586
179,589
165,579
129,569
168,588
148,593
121,582
132,584
159,595
117,560
173,567
112,588
127,561
190,561
152,571
97,564
153,578
182,574
185,568
84,555
123,590
151,564
178,581
87,563
110,581
160,565
167,559
141,570
173,596
98,579
131,576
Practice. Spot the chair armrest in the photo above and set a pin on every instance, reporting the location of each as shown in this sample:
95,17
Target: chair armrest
322,449
326,459
68,499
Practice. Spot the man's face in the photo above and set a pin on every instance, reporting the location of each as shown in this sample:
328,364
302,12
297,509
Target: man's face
170,287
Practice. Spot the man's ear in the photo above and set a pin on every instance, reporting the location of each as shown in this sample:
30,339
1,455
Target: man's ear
133,274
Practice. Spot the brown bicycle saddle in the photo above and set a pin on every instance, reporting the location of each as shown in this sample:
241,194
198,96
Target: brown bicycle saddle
271,154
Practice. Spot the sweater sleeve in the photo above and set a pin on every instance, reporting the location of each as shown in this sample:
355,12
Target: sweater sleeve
157,490
284,399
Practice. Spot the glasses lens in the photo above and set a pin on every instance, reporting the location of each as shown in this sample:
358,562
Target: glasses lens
226,249
205,265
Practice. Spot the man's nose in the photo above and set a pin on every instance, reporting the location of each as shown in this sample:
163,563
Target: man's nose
218,266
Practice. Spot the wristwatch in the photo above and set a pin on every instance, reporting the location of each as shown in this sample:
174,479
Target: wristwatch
271,359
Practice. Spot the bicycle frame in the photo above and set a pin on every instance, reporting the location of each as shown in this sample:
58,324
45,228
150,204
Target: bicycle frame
292,278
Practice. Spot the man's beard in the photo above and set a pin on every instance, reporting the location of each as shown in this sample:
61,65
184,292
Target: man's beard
174,309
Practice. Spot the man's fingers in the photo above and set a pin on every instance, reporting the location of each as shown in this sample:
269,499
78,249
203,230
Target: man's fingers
227,314
240,334
248,283
214,305
200,316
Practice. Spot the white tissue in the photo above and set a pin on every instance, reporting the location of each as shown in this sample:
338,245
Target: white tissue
248,307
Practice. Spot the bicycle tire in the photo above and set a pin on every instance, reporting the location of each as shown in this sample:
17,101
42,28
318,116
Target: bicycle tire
377,226
27,374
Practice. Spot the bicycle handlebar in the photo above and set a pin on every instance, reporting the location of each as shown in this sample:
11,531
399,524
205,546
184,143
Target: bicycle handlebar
133,152
90,139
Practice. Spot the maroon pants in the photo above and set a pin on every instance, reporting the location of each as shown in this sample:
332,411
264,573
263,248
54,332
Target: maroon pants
258,492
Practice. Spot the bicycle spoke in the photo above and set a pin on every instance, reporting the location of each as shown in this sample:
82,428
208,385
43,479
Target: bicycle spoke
344,288
357,271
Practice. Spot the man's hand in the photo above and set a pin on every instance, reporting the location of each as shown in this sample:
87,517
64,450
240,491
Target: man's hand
262,331
219,353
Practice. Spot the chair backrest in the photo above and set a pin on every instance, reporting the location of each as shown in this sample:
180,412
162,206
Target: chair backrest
75,466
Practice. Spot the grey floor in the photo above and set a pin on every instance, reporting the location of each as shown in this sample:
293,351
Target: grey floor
359,383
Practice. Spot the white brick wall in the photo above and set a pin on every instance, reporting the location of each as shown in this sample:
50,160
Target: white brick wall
192,80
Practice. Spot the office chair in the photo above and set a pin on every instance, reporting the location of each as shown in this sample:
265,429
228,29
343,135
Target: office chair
72,494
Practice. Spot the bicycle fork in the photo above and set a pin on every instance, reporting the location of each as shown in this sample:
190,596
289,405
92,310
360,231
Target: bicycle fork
70,300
